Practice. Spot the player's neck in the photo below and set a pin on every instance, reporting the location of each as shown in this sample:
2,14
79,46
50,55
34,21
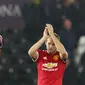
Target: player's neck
52,52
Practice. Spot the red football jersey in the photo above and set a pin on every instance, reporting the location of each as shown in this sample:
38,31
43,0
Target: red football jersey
50,68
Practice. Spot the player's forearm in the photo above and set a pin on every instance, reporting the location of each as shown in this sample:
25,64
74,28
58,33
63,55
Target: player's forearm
1,44
36,46
0,48
59,45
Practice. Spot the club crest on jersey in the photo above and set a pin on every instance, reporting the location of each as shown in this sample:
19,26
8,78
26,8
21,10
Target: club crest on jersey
56,57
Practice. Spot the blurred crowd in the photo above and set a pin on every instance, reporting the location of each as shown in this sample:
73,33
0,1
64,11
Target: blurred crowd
68,20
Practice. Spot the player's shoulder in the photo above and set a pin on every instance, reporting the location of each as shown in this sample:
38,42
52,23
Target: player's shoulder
58,55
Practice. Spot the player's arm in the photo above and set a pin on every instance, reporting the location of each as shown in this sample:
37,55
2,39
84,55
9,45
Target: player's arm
59,46
33,50
1,43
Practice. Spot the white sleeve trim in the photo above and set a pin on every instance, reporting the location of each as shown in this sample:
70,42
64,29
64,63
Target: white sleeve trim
34,60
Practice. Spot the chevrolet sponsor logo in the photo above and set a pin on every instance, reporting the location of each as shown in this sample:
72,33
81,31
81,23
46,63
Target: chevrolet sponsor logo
50,65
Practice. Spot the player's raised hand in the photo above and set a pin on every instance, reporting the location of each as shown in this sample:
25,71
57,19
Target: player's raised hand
50,29
45,33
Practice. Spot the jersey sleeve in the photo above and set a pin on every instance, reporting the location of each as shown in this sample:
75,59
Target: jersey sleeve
35,59
38,57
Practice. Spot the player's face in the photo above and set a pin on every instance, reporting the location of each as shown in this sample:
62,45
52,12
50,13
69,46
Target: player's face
50,46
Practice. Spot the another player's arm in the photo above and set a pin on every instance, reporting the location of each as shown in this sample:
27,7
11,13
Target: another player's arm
33,50
59,46
1,44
